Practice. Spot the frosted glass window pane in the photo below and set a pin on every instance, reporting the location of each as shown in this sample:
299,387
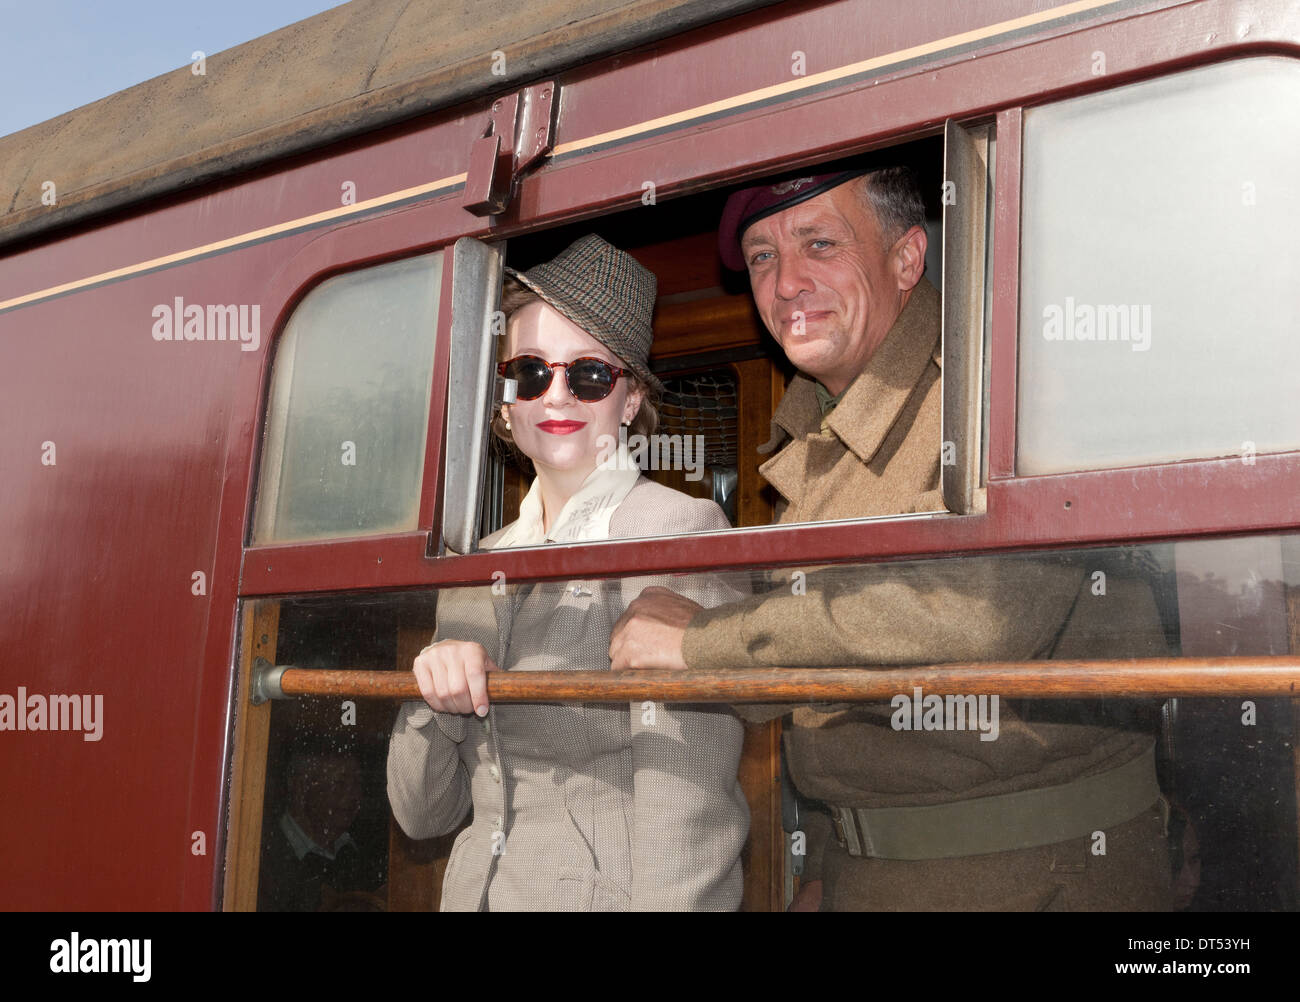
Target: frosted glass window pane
1163,220
349,406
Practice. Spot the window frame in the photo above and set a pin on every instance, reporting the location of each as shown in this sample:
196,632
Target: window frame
362,557
267,492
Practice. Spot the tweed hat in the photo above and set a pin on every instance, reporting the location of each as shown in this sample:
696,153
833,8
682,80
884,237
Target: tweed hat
606,292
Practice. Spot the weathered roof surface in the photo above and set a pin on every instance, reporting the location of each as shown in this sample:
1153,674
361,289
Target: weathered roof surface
348,70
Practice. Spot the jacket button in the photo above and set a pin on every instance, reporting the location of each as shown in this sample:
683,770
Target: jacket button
487,725
495,773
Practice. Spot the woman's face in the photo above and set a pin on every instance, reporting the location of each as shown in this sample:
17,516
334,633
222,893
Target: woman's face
558,432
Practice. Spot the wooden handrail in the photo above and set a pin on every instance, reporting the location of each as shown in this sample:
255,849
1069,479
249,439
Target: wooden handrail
1263,675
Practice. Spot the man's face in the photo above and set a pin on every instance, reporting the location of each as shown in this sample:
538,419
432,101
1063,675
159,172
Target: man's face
325,793
827,285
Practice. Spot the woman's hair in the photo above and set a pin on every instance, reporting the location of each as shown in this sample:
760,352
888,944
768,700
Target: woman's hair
514,298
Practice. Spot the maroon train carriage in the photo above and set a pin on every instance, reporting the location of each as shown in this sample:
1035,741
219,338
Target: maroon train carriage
243,308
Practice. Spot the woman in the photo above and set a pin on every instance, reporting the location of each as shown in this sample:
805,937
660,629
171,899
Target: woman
577,806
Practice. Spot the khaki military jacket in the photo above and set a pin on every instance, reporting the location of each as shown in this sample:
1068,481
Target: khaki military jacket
584,807
878,453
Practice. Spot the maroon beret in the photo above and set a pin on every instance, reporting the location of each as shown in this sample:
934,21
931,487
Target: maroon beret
749,205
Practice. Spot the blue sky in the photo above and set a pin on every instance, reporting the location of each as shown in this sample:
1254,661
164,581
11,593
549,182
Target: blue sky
56,55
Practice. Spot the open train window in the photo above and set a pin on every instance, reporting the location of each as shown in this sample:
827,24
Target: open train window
724,371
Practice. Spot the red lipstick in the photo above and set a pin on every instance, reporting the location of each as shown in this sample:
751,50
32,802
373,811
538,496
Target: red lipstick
561,427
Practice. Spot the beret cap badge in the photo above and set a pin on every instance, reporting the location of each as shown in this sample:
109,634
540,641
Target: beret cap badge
785,187
749,205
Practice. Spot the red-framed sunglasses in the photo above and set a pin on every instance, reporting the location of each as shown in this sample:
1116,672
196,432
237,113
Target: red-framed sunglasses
590,379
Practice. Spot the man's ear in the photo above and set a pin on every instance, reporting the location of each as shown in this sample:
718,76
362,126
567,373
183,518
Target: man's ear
909,258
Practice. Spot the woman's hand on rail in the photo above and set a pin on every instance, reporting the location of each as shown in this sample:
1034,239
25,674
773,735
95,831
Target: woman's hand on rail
452,676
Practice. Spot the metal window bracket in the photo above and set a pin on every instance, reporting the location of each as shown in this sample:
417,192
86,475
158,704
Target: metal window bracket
520,131
264,683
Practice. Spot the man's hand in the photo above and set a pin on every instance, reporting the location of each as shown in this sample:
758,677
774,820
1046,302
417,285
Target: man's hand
649,634
452,676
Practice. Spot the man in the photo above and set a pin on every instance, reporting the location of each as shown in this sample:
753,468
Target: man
1060,810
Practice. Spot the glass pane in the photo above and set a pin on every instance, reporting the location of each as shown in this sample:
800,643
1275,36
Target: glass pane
1224,766
349,406
325,817
1158,271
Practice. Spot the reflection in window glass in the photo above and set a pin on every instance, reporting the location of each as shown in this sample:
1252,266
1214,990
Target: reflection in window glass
320,852
349,406
1228,779
325,828
1158,271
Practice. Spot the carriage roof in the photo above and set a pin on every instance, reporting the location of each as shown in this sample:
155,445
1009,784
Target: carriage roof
344,72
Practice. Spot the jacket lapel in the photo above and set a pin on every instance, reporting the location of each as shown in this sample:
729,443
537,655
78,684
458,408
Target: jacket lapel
796,414
870,408
877,397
